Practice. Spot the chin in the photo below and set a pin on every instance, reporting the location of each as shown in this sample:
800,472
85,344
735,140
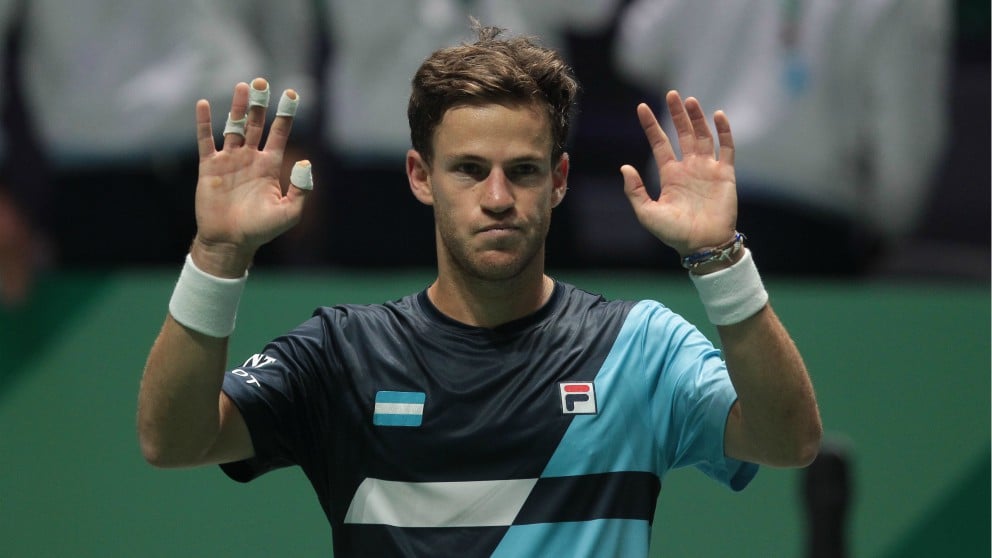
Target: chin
496,268
493,266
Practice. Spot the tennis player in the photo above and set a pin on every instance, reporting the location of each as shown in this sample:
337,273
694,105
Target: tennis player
498,412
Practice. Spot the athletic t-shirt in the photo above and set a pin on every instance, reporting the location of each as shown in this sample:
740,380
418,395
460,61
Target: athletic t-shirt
545,436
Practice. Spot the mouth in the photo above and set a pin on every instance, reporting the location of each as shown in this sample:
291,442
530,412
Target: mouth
500,227
497,231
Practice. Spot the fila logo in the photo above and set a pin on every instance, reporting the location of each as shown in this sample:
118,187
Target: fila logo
577,398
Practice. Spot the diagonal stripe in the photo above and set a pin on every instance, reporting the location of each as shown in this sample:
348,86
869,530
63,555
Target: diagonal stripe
620,495
438,504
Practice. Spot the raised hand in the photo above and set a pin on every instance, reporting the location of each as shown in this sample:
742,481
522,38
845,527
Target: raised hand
240,201
697,207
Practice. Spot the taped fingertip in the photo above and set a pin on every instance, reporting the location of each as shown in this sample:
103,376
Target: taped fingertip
236,126
287,104
302,177
258,97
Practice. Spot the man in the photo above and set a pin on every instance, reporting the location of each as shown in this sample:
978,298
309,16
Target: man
498,412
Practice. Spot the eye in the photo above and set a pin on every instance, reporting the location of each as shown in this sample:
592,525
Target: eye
525,170
470,169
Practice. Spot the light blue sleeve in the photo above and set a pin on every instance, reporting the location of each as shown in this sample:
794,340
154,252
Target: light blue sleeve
689,395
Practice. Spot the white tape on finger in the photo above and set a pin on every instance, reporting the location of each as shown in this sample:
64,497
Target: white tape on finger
236,126
258,98
287,106
301,176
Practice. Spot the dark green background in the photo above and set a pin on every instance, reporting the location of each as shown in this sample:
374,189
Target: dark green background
901,371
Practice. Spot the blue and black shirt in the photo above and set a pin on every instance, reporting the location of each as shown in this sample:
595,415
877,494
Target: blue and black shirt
545,436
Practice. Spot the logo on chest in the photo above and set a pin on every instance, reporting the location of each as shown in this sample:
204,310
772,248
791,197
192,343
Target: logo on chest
577,398
399,408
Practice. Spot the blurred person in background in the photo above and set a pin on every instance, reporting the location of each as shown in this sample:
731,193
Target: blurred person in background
374,48
98,158
839,110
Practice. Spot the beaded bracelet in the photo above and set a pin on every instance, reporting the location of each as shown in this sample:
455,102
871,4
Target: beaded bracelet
721,253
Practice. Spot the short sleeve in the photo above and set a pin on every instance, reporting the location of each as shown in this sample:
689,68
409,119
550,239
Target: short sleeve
691,398
276,391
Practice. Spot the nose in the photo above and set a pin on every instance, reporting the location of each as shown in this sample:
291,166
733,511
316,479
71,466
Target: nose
497,195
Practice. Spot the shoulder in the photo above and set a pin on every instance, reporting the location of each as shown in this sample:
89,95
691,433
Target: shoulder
404,314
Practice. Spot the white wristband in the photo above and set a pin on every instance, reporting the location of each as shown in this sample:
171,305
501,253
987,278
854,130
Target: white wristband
205,303
734,294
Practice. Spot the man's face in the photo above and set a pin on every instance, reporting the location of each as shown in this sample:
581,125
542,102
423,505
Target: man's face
492,185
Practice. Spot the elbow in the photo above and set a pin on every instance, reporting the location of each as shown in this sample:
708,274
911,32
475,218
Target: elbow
162,458
794,447
808,450
805,446
160,454
154,457
155,453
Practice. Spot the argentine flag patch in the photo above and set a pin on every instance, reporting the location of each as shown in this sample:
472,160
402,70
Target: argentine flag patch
399,408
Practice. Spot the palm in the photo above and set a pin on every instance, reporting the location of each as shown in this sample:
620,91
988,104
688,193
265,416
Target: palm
239,199
697,207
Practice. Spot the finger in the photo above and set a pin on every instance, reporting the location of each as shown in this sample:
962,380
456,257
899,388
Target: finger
204,130
302,176
700,129
258,101
683,126
283,123
724,136
661,147
233,131
633,186
301,180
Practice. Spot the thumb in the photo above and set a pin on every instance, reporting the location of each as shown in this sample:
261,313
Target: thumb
301,184
633,186
301,180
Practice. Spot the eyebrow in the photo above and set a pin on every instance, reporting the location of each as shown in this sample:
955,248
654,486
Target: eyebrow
514,161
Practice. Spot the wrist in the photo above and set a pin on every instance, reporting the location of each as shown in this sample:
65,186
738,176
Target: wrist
717,265
733,294
204,302
223,260
709,260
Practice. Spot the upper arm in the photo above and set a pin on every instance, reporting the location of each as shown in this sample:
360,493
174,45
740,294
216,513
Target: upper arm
735,442
233,441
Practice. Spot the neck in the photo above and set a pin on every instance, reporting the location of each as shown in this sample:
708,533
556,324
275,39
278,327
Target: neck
489,303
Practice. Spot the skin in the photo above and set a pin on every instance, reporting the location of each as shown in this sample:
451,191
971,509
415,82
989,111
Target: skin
493,186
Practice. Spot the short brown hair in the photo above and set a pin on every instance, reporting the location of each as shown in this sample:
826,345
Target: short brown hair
491,70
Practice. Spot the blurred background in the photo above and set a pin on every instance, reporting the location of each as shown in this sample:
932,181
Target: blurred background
863,149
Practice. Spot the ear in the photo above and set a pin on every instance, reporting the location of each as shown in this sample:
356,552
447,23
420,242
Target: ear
559,180
418,172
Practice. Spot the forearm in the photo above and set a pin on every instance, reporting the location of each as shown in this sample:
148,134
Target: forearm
178,403
778,415
179,415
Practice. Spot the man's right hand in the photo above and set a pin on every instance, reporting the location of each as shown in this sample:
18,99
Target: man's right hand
240,201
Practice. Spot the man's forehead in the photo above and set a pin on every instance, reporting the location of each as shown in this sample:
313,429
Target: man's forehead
519,123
